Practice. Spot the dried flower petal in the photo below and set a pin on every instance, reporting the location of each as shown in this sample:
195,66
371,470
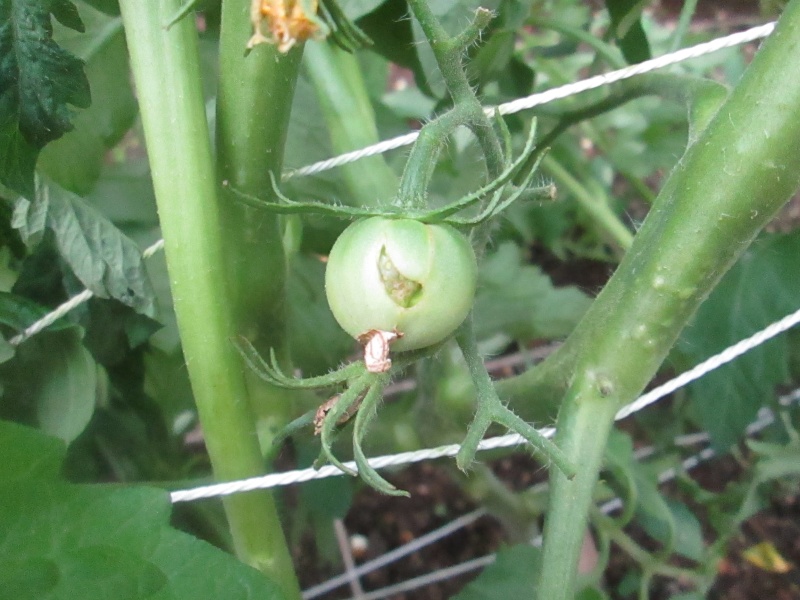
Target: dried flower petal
376,349
283,23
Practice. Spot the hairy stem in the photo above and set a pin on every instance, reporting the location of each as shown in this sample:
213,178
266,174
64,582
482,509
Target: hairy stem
467,110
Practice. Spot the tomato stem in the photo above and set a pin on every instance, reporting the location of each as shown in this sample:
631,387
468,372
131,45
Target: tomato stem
166,69
467,111
491,410
728,185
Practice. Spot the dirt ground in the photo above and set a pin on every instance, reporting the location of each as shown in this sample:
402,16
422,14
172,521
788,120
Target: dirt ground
387,523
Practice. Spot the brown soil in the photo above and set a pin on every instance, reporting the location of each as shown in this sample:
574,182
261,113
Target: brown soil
388,523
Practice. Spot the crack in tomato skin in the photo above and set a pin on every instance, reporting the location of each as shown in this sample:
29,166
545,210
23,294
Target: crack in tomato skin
404,291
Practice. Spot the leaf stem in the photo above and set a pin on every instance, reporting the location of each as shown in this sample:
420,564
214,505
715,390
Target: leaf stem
647,561
491,410
449,52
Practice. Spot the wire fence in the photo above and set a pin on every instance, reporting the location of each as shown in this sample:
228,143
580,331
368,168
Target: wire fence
392,460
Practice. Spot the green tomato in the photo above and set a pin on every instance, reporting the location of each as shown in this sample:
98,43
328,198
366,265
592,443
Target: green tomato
401,275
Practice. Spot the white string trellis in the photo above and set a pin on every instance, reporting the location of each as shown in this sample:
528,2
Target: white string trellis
301,475
538,99
558,93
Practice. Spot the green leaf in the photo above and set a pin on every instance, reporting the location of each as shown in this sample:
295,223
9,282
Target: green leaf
775,461
67,392
28,455
53,379
512,575
113,329
7,352
688,531
389,27
75,160
105,261
762,287
591,593
19,313
652,510
63,541
520,301
627,28
38,82
355,9
110,7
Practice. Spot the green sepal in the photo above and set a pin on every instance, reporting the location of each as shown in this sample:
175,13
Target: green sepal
272,373
330,423
366,413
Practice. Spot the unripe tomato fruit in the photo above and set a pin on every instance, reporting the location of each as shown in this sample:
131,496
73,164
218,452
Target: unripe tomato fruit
403,275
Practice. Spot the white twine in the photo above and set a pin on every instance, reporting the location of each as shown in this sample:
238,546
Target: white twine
380,462
710,364
508,108
558,93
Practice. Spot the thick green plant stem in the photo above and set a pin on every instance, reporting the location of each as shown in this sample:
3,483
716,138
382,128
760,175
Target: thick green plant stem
254,100
342,95
166,72
727,186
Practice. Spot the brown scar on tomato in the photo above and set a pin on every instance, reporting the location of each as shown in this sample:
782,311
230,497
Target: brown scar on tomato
376,349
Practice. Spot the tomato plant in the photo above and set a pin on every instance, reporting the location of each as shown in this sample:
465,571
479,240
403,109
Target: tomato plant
248,284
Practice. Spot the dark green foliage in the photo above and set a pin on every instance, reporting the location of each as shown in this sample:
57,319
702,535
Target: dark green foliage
105,260
512,575
39,81
520,301
627,28
762,287
75,160
52,382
